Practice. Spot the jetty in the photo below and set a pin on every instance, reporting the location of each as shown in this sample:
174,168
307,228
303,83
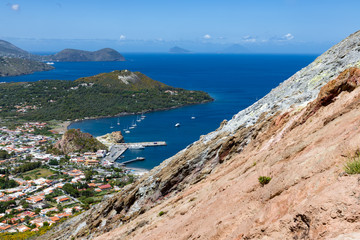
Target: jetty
144,144
118,149
133,160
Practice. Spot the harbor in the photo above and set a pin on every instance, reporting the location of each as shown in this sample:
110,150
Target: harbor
117,150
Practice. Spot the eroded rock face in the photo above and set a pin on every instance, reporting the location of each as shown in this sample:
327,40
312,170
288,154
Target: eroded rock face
74,140
111,138
210,189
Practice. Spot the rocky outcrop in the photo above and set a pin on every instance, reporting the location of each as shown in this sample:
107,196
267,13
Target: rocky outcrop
300,135
111,138
74,140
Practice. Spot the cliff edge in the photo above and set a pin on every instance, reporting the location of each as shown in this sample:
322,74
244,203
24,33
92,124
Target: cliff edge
301,135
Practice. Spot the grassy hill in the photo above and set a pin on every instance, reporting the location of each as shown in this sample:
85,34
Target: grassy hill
106,94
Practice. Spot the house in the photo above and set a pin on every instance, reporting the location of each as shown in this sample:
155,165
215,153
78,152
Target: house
4,226
62,199
23,228
46,210
105,187
54,219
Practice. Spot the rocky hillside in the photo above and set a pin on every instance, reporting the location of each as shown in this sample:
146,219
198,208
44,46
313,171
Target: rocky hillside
9,50
301,135
111,138
18,66
74,140
75,55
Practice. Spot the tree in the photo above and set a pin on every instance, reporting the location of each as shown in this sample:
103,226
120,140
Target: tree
60,207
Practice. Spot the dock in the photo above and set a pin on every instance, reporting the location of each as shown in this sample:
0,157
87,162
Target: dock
132,160
115,152
144,144
118,149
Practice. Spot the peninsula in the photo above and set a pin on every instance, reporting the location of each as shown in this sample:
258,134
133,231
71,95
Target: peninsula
18,66
102,95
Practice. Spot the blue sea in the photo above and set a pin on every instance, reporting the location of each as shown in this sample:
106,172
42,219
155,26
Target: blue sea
234,81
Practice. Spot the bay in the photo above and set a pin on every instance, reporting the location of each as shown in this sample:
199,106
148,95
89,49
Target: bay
234,81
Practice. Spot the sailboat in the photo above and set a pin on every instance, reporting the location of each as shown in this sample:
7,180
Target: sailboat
118,122
138,119
111,126
126,130
143,116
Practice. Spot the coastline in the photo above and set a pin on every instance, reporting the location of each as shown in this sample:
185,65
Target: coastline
122,114
137,171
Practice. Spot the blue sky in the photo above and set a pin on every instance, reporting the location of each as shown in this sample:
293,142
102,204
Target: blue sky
283,26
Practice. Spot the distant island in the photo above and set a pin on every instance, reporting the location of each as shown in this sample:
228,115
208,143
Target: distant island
75,55
15,61
18,66
106,94
177,49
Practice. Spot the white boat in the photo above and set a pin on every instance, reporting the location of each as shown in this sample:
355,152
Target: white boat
50,63
111,126
127,131
118,122
143,116
131,127
192,117
134,124
177,125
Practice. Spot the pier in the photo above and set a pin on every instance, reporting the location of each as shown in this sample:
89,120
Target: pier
115,152
133,160
118,149
144,144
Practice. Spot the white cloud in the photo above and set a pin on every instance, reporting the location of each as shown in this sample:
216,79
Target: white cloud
249,39
122,37
206,36
287,37
15,7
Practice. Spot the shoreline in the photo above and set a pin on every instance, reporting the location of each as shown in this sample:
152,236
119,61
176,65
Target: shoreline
138,171
122,114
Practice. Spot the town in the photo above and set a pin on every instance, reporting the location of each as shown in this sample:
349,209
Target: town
39,187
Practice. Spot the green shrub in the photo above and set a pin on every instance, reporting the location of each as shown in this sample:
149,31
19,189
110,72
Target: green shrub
263,180
161,213
353,166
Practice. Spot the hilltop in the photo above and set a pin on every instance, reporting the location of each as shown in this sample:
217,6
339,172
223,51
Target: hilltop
106,94
19,66
73,140
211,189
75,55
9,50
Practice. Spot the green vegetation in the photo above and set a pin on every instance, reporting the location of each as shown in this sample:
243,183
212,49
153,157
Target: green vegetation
161,213
6,205
353,165
263,180
5,182
27,167
105,94
38,173
4,155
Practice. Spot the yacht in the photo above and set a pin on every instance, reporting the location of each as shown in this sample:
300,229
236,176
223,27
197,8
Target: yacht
118,122
177,125
192,117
